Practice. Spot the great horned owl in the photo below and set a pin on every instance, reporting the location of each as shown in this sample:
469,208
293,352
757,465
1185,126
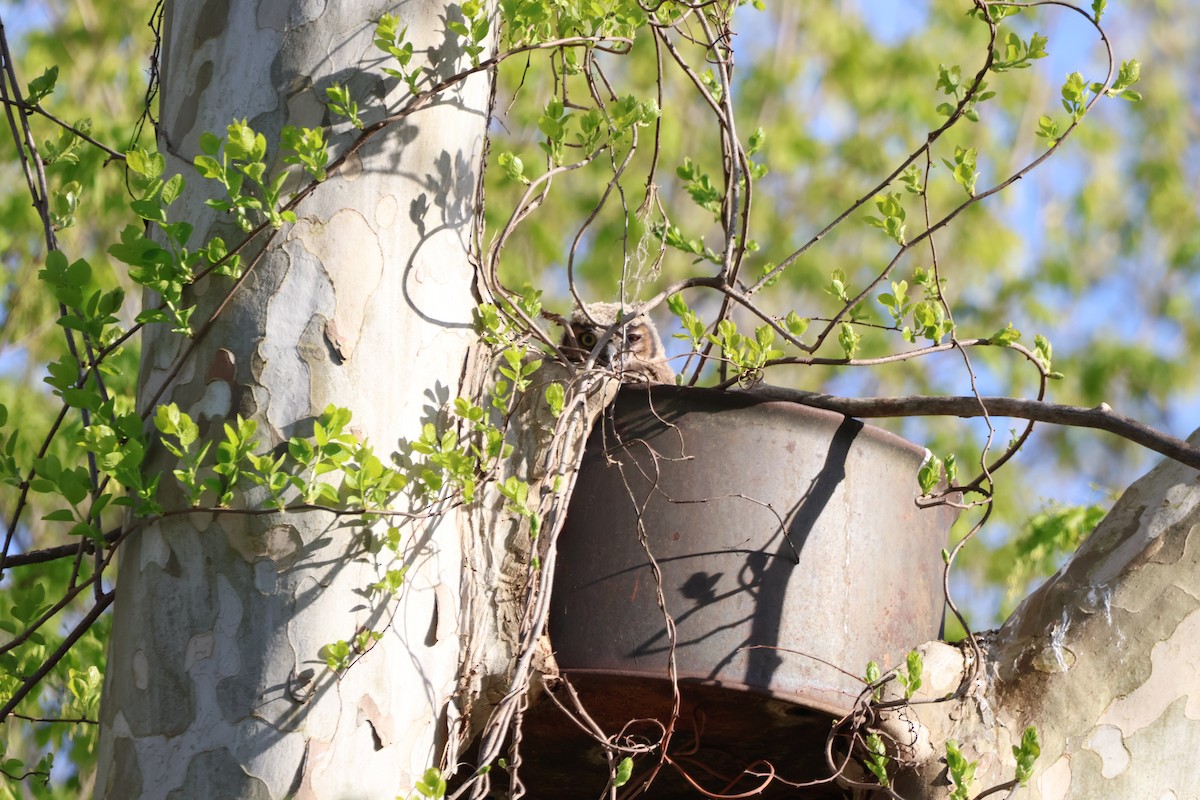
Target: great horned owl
634,350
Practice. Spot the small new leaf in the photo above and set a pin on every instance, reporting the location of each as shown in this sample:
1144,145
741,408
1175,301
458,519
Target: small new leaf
960,770
910,676
624,772
929,474
555,397
1043,351
795,324
514,167
432,785
41,86
963,168
1026,754
1006,336
849,339
1129,74
341,104
877,759
892,221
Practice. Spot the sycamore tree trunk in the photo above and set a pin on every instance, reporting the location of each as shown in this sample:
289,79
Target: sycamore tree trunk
1102,659
215,686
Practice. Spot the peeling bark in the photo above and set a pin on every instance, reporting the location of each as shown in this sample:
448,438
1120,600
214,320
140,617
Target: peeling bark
1101,659
215,686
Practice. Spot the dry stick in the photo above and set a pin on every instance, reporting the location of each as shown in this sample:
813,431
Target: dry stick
88,547
586,724
58,720
1101,417
651,201
24,493
668,623
729,141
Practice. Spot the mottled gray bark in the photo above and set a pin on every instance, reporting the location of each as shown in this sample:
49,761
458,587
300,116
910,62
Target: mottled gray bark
215,686
1102,659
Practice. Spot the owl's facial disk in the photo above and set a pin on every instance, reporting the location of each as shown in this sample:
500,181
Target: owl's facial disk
633,350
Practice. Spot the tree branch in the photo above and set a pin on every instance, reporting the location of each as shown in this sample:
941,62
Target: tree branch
1101,417
55,553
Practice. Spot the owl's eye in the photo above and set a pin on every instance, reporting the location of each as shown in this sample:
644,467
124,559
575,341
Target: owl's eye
633,338
587,339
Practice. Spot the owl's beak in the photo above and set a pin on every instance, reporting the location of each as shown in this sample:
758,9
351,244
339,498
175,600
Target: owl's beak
609,353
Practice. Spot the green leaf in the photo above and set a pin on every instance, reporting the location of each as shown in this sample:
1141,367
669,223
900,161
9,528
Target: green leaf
432,785
1043,351
756,141
210,143
1006,336
1026,754
555,398
795,324
877,759
171,189
208,167
910,677
960,770
849,339
963,168
42,85
144,163
929,474
242,143
81,398
624,772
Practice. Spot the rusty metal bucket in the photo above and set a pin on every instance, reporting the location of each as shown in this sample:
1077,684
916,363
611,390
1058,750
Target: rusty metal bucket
791,552
790,546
